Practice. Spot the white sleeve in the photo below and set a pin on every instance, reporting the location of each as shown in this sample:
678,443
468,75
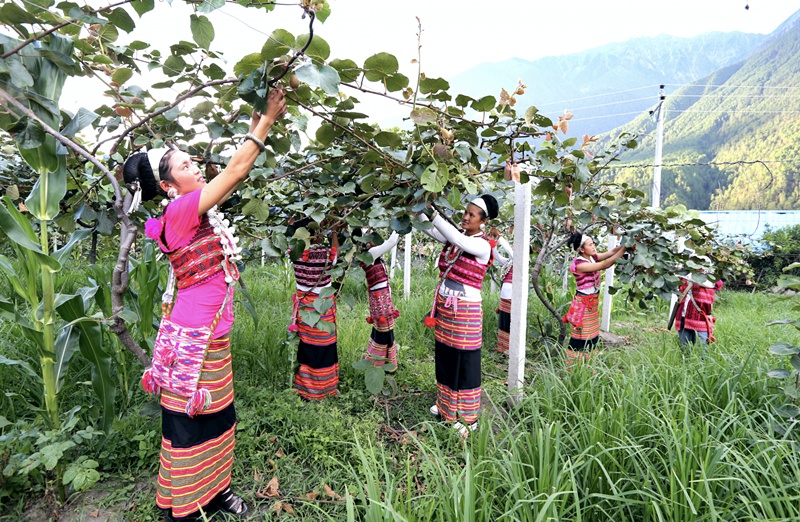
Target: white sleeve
499,258
506,246
477,246
377,251
435,234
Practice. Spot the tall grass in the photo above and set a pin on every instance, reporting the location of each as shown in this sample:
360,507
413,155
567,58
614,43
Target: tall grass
644,432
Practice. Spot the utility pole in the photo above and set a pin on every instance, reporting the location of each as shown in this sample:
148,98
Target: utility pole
659,115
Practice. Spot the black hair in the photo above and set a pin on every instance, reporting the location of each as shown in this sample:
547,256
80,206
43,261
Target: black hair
164,172
492,207
137,168
575,240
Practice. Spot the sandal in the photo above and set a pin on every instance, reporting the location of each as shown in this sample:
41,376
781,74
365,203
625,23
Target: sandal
230,503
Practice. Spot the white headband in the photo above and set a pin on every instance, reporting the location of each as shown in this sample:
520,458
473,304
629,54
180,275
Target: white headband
479,202
584,239
154,157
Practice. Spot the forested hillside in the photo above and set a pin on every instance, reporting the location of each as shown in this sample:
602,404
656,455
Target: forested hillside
626,74
744,120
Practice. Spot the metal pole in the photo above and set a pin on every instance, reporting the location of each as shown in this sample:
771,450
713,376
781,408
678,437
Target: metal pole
519,293
656,197
605,322
407,267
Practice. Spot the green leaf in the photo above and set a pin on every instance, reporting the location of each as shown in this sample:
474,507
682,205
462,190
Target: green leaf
783,349
310,317
362,364
248,64
22,364
319,50
202,30
121,19
323,305
91,347
279,43
485,104
30,137
173,65
779,374
62,253
435,177
121,75
83,119
15,232
66,345
45,198
210,5
373,377
256,207
388,139
324,77
379,66
423,115
429,85
348,70
12,14
396,82
326,134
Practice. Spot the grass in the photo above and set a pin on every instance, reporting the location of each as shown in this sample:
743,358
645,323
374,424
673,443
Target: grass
643,433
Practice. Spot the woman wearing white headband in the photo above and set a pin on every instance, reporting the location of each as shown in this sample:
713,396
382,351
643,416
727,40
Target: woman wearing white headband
457,314
198,430
584,312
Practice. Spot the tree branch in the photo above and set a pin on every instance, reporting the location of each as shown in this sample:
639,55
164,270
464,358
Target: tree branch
56,27
127,230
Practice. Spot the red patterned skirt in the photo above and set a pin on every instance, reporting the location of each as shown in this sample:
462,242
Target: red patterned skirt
382,347
503,324
586,336
197,453
317,375
459,330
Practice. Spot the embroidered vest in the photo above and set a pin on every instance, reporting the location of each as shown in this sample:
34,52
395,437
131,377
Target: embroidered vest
201,258
376,273
312,267
584,280
466,270
509,276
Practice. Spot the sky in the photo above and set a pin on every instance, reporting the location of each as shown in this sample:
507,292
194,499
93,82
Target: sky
458,35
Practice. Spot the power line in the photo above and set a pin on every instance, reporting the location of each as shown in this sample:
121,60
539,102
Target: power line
607,116
789,87
595,96
707,163
610,103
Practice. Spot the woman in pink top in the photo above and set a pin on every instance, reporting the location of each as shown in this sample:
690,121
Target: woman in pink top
198,436
584,311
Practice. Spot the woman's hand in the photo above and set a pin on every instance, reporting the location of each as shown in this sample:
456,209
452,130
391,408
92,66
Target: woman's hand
276,104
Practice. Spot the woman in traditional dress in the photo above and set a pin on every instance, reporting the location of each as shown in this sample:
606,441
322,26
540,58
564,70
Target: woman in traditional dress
457,314
382,347
694,319
317,373
584,313
198,437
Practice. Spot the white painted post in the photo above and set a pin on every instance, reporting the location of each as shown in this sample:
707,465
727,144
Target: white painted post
605,322
519,292
407,267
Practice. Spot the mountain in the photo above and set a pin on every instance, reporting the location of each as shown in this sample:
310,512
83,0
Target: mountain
743,119
607,86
